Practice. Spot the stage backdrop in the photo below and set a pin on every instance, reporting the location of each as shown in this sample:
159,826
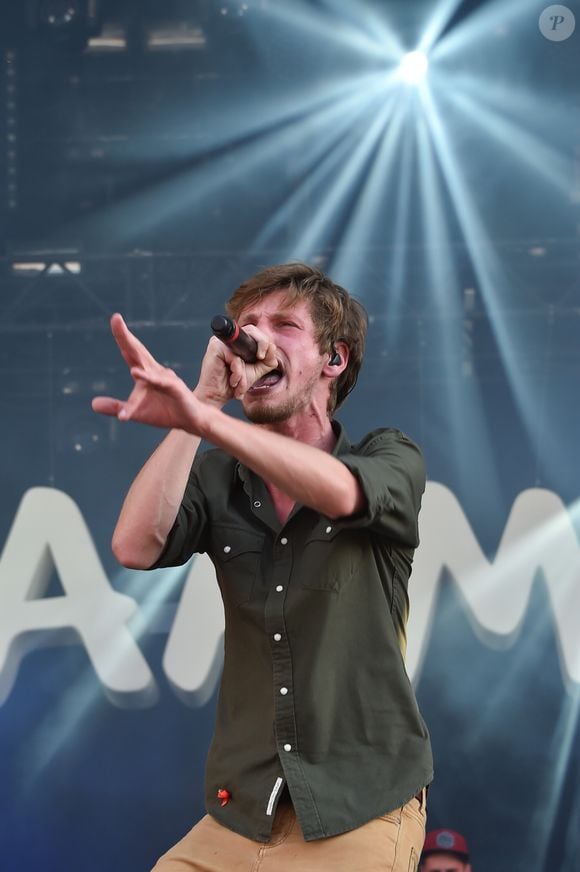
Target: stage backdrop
152,170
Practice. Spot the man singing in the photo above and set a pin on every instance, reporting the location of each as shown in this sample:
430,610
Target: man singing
320,758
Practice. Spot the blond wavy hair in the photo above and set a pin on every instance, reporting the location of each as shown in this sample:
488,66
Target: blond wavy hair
337,316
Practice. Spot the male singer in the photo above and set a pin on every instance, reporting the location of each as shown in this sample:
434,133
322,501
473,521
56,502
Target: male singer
320,758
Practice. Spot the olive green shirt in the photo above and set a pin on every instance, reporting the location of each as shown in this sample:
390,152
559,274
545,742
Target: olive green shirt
314,693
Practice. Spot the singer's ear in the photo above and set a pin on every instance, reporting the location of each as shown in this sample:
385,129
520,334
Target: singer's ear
337,359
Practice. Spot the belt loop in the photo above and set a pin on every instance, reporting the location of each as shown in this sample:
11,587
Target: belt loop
422,799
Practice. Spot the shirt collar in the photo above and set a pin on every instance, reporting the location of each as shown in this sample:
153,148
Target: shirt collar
343,445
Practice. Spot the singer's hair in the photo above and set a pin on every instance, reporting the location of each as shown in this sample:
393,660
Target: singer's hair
337,316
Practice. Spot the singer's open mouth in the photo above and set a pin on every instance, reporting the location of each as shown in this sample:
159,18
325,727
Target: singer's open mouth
267,381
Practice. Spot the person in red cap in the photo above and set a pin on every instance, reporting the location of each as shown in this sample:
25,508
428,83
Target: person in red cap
445,851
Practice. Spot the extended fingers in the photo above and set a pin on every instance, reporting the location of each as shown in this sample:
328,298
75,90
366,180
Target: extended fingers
157,376
132,349
107,405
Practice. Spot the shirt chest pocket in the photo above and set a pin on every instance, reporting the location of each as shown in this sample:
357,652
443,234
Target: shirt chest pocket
236,554
329,558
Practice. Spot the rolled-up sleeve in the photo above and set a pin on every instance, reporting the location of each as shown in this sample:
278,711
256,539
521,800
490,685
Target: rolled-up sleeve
391,473
188,534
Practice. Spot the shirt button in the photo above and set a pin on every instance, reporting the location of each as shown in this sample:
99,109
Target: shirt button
283,691
283,540
227,549
279,588
329,529
287,747
277,637
257,504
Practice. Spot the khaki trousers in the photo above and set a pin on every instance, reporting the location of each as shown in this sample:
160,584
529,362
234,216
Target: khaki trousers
390,843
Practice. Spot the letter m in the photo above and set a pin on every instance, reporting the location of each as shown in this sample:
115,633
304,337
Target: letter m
539,539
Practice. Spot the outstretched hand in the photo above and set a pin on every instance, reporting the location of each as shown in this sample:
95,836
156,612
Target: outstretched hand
159,397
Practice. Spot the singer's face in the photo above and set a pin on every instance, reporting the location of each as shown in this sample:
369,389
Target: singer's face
298,385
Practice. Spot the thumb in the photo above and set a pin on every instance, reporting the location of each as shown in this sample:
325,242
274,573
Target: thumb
106,405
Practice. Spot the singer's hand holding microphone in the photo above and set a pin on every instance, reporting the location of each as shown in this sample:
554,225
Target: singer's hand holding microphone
249,357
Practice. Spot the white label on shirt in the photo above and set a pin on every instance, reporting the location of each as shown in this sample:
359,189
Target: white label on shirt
273,795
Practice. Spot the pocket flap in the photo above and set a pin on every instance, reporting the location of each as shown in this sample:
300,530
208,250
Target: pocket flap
229,542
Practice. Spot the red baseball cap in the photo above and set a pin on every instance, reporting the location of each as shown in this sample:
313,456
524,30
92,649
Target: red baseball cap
446,842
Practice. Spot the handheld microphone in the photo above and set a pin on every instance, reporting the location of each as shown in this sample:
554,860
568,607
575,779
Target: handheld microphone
229,332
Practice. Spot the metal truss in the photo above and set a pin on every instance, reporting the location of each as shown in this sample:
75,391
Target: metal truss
64,290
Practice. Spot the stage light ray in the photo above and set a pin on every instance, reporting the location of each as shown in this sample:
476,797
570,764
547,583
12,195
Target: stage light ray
397,271
262,109
483,23
336,158
413,67
322,224
489,269
559,753
366,32
261,139
369,209
562,745
359,39
562,751
465,417
570,854
529,149
54,732
513,102
250,112
436,229
254,119
260,124
322,157
437,23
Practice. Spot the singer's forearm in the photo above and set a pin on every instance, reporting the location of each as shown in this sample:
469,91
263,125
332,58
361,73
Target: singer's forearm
153,500
307,474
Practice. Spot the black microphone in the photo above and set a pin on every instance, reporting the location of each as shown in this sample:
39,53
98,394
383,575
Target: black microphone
230,333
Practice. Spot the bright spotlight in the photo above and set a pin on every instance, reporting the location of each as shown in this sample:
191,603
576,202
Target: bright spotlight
413,67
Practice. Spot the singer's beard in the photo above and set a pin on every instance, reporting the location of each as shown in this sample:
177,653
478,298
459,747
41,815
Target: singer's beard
271,414
281,409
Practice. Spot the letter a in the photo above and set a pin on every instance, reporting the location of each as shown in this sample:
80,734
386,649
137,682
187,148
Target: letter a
49,533
193,657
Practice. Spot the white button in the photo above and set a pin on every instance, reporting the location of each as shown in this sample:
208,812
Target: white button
227,549
283,540
329,529
257,504
287,747
283,691
279,588
277,637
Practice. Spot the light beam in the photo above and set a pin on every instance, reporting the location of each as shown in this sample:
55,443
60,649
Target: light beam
413,67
